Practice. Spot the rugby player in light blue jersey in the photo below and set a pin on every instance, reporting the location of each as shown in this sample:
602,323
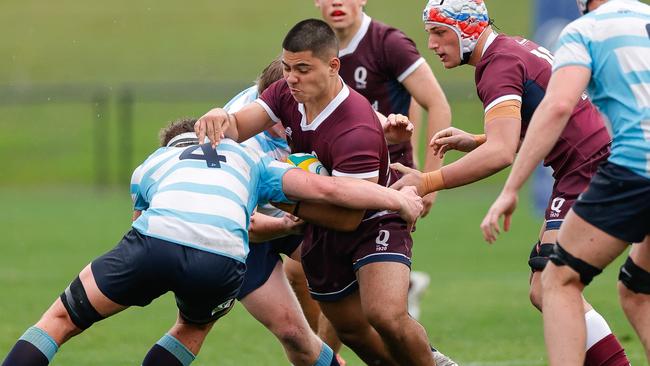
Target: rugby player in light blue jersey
192,205
608,52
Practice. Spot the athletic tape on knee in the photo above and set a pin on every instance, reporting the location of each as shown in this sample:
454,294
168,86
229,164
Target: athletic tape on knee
76,302
325,356
561,257
176,348
41,340
635,278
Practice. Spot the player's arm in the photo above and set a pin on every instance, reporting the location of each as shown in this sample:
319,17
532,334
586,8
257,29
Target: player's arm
563,93
425,89
240,126
353,193
502,129
415,116
324,214
264,227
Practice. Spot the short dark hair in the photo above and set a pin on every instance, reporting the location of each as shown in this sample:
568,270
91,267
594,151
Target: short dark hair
312,35
176,128
270,74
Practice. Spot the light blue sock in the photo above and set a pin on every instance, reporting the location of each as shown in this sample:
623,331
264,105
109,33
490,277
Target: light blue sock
325,357
176,348
41,340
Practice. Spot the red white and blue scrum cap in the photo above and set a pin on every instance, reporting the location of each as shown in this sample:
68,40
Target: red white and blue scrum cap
468,18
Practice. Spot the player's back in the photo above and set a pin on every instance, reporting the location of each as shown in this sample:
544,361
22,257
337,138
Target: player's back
514,68
614,43
200,197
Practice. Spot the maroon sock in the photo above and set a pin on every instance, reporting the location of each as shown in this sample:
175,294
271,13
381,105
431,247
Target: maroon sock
607,352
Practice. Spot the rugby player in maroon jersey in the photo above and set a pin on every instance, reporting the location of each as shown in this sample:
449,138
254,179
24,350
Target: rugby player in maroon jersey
364,272
511,77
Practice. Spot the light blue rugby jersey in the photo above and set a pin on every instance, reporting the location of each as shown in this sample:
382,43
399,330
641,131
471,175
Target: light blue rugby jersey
185,201
614,43
275,147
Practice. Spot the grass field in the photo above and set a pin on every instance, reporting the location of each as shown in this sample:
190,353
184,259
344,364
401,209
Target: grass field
476,309
54,221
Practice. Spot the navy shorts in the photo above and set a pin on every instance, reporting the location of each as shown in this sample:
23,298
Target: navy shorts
141,268
617,202
261,260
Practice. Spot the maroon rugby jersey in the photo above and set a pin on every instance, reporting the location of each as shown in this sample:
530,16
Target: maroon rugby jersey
513,68
346,136
375,63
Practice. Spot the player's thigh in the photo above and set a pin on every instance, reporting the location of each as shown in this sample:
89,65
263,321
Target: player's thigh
588,243
102,304
274,303
383,287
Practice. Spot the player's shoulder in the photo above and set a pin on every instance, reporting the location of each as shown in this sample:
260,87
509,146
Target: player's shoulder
245,97
354,104
505,47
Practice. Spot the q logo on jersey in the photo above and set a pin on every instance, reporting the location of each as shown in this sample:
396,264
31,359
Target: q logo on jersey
360,76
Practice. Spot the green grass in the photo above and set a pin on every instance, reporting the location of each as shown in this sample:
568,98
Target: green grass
475,310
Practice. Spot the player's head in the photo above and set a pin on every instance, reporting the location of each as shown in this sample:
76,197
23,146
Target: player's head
586,6
454,27
341,14
270,74
309,59
179,133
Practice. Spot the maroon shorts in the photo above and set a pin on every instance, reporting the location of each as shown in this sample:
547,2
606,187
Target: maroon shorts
331,258
568,186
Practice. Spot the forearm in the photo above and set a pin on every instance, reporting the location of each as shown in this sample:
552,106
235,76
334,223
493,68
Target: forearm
438,119
481,162
360,194
264,228
330,216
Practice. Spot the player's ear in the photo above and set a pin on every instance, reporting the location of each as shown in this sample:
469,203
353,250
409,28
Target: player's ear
317,3
335,65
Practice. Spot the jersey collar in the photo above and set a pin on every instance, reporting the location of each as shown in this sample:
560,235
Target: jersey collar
354,43
491,37
329,109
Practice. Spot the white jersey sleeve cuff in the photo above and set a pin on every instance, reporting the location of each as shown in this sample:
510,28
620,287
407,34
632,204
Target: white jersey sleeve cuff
367,175
502,99
410,70
268,110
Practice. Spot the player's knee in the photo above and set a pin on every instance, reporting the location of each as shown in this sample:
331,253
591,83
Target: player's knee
580,273
79,309
535,296
292,337
633,278
539,256
387,322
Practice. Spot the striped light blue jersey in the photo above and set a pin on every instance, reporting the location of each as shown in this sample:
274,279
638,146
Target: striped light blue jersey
265,143
203,198
614,43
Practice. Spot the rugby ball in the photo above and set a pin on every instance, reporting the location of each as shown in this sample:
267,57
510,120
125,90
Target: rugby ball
308,163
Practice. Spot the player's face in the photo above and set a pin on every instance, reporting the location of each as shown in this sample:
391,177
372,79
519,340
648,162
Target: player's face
444,42
308,76
341,14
